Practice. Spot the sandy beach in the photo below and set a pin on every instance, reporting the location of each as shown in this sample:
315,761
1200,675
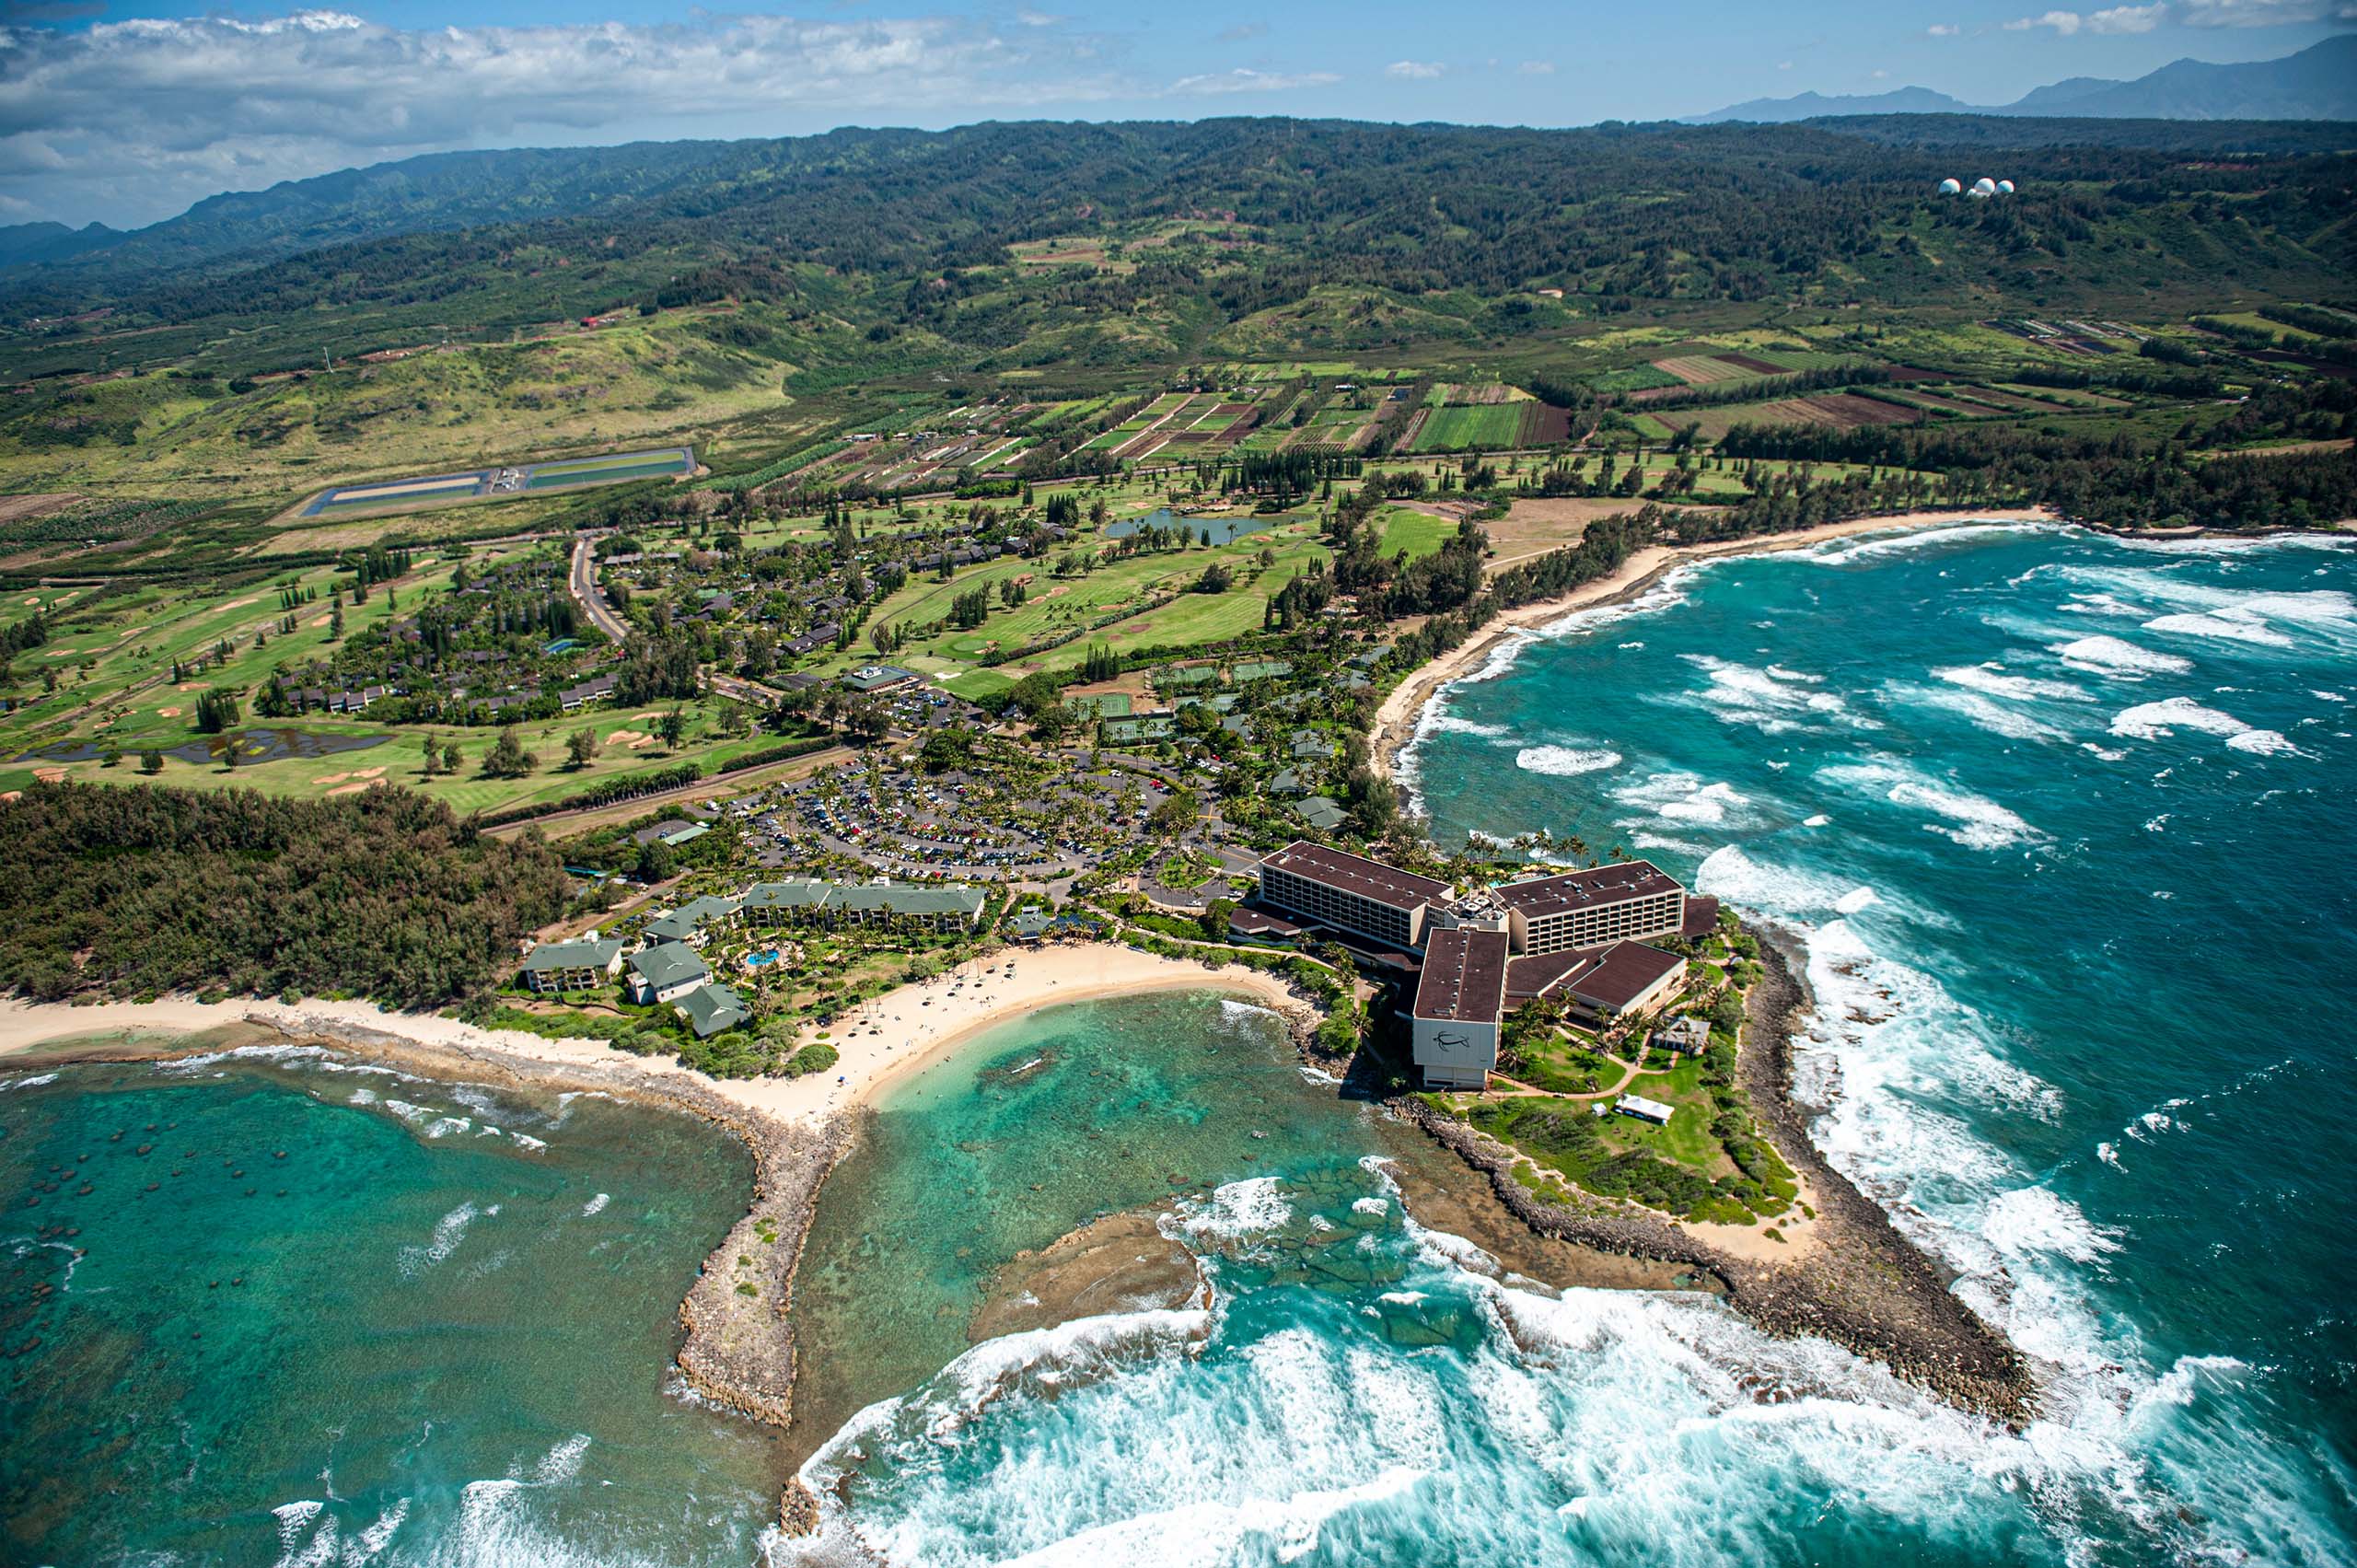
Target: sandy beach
1396,721
904,1031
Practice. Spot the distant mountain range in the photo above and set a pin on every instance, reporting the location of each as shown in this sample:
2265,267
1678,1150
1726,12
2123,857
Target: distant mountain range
2319,83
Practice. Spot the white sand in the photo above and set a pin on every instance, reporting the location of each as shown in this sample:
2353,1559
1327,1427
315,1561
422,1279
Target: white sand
904,1030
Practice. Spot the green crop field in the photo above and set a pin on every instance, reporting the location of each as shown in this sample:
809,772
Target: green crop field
1466,429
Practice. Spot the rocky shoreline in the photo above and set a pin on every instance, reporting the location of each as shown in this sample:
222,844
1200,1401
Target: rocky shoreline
1865,1286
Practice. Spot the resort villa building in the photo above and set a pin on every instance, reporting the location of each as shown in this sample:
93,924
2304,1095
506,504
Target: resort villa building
770,906
666,972
1459,1007
580,965
1580,936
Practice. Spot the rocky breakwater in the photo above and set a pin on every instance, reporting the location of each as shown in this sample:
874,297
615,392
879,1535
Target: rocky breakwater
1863,1286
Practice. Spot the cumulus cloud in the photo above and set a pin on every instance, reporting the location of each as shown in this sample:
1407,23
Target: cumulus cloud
131,120
2063,22
1536,68
1943,30
1413,70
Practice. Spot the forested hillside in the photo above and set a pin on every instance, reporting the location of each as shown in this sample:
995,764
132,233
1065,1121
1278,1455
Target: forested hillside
914,230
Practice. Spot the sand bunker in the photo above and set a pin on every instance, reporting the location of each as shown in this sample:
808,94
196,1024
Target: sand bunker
628,738
49,776
358,786
168,712
333,778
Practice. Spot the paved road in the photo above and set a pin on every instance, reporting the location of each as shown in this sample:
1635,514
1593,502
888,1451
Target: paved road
590,597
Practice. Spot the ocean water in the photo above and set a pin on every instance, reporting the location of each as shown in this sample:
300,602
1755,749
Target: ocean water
437,1331
2070,829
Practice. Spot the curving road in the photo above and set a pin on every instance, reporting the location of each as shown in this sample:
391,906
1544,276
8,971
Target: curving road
590,597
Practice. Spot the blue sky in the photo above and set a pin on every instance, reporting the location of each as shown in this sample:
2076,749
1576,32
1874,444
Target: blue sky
126,112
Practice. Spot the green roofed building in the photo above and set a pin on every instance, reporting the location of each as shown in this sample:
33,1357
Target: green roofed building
1322,814
768,905
573,966
666,972
771,904
693,921
880,677
892,903
712,1008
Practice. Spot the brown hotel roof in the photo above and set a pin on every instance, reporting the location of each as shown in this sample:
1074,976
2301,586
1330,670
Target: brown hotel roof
1464,978
1355,874
1598,888
1614,975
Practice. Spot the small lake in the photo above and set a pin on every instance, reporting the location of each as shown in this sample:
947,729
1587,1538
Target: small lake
253,745
1224,530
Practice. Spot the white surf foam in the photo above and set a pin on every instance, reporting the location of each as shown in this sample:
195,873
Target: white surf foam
2161,720
1970,820
1249,1207
2120,659
1684,799
1565,761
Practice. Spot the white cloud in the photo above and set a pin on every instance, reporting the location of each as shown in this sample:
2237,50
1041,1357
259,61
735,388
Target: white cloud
1943,30
1243,31
1031,18
2263,13
1244,80
1536,68
2117,19
1413,70
1882,75
131,120
1783,65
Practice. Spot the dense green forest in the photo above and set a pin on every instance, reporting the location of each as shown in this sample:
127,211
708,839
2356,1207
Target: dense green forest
140,890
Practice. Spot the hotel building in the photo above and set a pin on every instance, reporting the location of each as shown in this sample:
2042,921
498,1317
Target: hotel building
1460,1006
1591,908
1351,893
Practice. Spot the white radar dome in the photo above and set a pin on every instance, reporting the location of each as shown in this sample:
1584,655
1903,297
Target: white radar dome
1951,186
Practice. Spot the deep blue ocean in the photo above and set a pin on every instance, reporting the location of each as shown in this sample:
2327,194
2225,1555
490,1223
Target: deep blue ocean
2066,827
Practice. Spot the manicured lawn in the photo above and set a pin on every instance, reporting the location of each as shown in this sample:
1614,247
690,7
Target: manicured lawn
1417,533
